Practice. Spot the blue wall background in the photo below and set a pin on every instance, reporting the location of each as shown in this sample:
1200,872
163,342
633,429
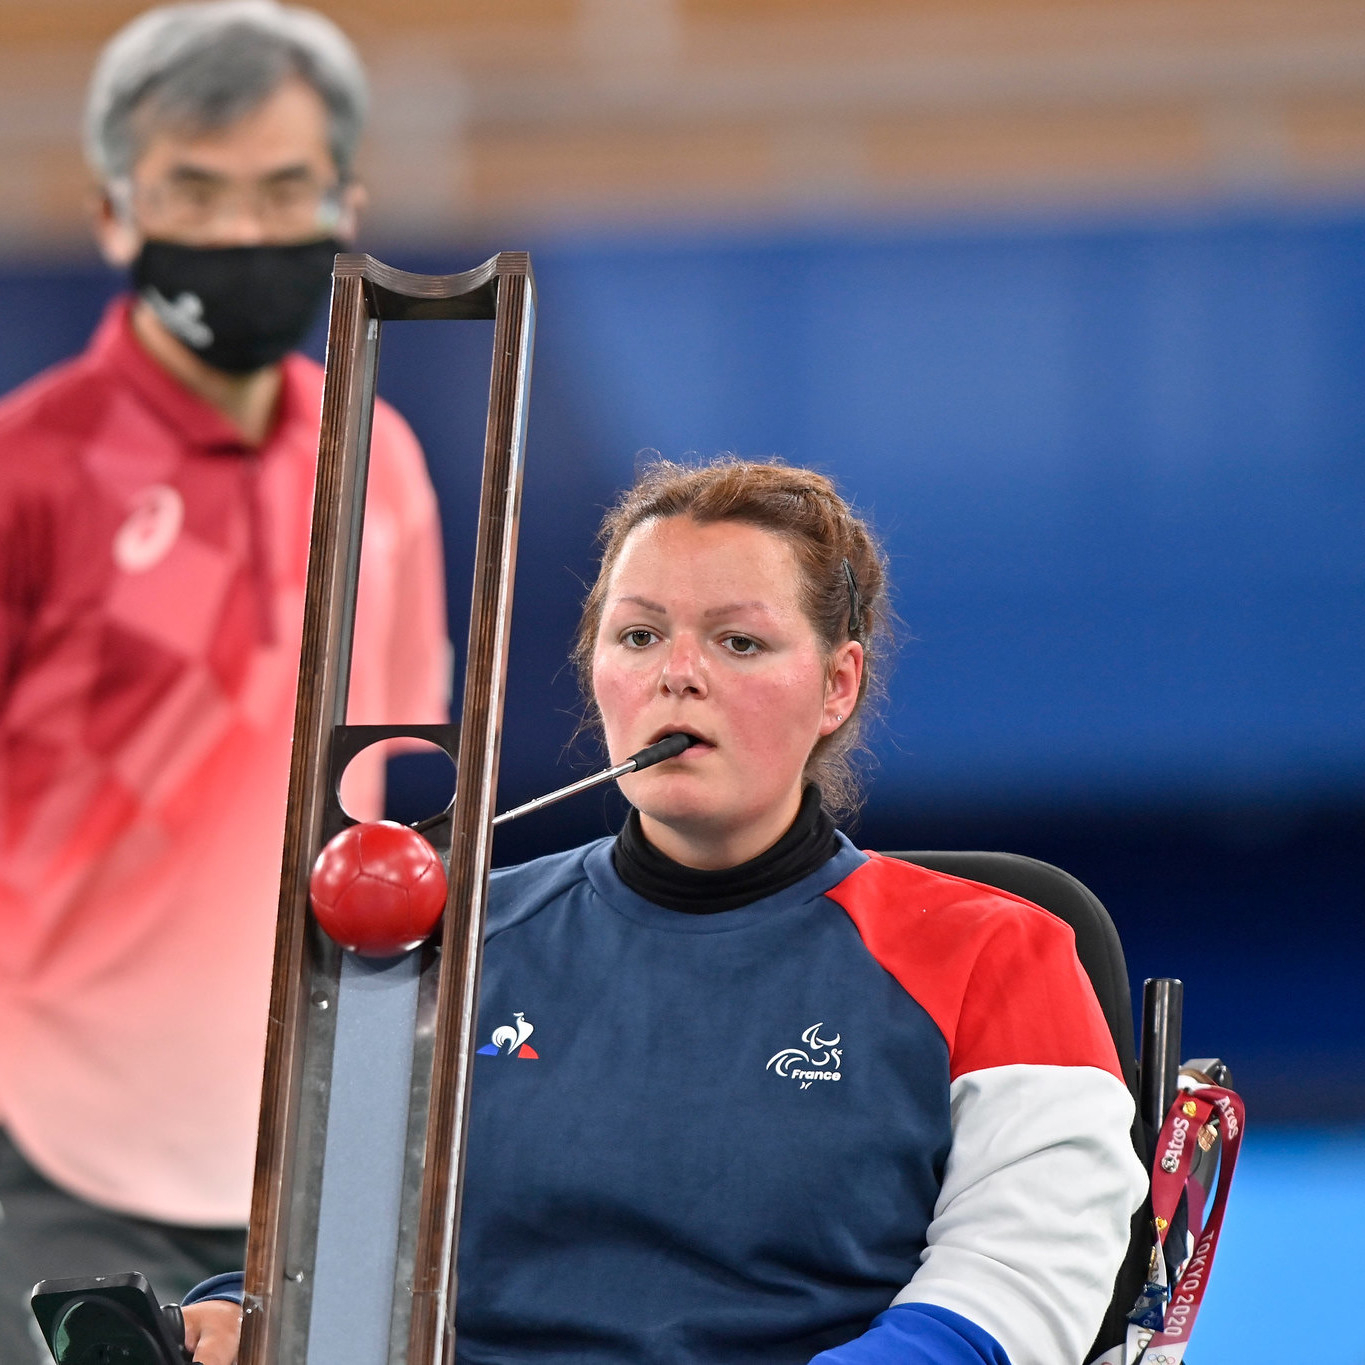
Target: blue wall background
1119,472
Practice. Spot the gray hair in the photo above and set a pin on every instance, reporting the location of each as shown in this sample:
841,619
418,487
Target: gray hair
204,65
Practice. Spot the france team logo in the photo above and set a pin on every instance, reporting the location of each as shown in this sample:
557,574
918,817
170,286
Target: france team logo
819,1060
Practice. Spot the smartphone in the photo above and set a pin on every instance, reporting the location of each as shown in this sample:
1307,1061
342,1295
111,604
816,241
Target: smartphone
108,1320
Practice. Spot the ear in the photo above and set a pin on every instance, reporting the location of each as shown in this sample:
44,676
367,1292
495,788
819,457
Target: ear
118,240
354,201
841,688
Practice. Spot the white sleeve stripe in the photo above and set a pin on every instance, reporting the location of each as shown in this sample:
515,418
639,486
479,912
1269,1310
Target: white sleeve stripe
1031,1223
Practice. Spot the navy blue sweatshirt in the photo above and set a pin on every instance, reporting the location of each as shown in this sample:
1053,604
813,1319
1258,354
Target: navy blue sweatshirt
872,1117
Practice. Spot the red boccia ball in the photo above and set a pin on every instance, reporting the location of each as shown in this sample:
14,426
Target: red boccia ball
378,888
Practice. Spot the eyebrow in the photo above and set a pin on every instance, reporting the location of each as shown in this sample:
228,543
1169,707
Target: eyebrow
708,614
643,602
730,607
188,172
299,170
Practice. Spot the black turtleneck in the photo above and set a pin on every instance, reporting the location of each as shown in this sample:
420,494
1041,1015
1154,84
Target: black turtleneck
810,841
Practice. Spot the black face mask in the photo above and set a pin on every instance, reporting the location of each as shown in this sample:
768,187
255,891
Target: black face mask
239,308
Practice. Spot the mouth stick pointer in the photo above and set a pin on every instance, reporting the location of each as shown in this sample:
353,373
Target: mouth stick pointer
670,746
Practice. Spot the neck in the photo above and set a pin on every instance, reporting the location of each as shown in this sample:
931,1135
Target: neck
707,848
248,401
811,842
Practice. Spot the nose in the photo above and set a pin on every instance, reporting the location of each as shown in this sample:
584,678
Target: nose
238,224
683,672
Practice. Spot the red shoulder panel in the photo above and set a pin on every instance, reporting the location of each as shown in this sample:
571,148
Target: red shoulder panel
997,974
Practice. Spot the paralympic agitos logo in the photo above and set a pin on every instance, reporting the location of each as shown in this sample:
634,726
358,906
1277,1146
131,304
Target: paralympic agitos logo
819,1060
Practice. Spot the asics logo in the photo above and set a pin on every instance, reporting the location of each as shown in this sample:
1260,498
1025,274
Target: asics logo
152,528
183,316
819,1060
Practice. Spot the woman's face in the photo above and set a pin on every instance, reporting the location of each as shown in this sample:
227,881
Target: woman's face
702,631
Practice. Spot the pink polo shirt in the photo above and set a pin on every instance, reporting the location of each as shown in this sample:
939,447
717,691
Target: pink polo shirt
152,574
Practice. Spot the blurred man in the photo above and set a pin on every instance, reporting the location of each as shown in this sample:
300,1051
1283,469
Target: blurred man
154,518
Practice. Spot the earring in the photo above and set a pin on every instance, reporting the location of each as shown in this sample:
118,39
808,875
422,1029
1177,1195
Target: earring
840,719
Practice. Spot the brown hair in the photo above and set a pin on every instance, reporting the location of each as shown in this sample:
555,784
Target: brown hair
842,566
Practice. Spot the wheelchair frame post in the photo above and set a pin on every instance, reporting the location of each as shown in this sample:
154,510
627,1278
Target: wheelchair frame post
1163,1000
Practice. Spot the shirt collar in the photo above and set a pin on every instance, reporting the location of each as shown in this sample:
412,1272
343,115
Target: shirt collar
600,870
808,843
195,421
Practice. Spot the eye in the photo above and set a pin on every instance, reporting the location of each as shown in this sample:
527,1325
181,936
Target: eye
742,645
638,638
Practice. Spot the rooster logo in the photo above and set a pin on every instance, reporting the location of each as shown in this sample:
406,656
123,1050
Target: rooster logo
509,1040
819,1060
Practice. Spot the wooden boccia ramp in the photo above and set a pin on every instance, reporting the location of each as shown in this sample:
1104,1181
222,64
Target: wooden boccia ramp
356,1204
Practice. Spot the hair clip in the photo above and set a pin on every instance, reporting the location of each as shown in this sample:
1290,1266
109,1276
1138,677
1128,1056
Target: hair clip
855,600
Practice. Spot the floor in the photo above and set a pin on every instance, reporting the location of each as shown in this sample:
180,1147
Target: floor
1289,1279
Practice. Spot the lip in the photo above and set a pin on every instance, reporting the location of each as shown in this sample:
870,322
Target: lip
698,741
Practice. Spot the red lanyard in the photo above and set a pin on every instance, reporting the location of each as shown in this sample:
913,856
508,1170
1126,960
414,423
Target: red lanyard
1196,1120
